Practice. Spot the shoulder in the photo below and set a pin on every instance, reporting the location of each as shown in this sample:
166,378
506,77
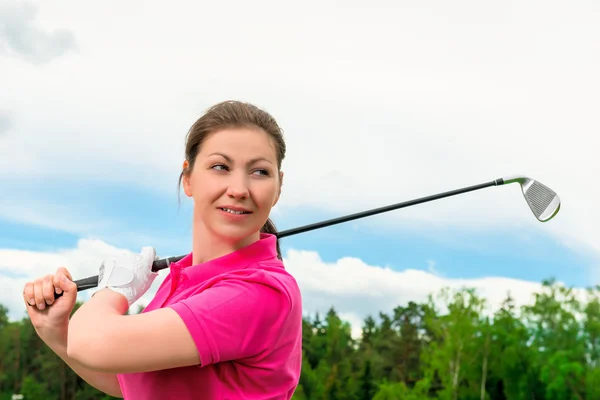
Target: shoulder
275,273
269,279
265,284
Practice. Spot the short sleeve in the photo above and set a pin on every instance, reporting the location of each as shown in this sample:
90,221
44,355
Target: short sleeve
235,319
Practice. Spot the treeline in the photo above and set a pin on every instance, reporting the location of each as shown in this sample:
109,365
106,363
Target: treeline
28,367
447,348
451,348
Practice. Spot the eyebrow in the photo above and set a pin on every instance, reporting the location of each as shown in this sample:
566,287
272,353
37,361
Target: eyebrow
254,160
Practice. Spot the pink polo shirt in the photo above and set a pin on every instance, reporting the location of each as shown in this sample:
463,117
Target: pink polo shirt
244,312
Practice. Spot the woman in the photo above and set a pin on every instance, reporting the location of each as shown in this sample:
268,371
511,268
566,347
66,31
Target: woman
226,323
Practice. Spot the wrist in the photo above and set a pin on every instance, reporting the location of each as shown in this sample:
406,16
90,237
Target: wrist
54,335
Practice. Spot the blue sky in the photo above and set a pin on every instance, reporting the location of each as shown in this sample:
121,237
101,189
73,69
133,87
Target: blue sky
92,123
130,217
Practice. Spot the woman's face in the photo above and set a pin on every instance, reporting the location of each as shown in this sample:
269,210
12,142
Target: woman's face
234,183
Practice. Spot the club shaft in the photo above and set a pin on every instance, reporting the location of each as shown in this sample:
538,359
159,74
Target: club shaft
91,282
380,210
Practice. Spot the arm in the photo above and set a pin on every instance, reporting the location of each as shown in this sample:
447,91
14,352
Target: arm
105,382
50,319
225,322
101,338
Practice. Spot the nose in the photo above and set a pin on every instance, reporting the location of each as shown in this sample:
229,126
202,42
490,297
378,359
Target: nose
238,187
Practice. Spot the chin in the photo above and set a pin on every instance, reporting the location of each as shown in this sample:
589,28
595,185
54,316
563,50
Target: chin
237,235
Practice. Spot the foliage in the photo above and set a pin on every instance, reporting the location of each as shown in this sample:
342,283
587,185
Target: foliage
447,348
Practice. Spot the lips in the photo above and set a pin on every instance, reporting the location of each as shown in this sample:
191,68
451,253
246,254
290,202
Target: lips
235,210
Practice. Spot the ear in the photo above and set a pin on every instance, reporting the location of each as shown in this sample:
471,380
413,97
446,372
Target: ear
187,187
279,190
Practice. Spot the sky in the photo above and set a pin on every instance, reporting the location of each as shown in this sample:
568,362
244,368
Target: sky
380,102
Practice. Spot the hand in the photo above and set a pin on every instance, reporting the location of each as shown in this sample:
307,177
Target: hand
50,316
128,274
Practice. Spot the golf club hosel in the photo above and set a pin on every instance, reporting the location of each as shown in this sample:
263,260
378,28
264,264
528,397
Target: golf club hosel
514,179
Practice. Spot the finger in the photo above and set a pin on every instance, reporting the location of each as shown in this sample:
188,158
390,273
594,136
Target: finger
38,295
60,273
57,277
28,295
149,254
56,283
69,288
64,271
48,289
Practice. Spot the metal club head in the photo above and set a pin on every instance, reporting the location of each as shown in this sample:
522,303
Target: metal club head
543,201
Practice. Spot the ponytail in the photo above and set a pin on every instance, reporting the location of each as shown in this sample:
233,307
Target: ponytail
269,227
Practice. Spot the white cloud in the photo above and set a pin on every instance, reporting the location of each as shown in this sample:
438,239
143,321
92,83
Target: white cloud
17,267
5,122
431,267
379,104
354,288
357,289
20,33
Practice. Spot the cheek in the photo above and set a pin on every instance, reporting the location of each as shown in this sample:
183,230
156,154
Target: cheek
268,195
194,186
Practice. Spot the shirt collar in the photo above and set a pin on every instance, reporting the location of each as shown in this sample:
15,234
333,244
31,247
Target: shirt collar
263,249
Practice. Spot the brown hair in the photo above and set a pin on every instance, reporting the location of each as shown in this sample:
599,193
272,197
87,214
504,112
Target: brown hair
234,114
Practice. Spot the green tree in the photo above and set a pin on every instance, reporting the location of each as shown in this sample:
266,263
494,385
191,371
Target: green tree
452,357
399,391
591,332
557,336
446,348
409,323
33,389
339,383
367,386
513,372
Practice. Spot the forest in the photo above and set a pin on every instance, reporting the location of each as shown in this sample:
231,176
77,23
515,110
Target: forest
449,347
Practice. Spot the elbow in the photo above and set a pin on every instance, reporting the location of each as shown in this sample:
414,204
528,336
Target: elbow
82,351
89,355
86,348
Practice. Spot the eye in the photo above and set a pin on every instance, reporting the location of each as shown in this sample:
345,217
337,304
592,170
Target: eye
220,167
262,172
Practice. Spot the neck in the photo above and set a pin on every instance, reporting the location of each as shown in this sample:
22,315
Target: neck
207,246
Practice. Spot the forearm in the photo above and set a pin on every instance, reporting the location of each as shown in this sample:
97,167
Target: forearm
92,327
105,382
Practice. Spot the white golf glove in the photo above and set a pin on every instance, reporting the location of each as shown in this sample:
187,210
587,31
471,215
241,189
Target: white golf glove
128,274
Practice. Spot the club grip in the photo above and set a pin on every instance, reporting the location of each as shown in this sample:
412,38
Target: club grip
92,281
164,263
83,284
87,283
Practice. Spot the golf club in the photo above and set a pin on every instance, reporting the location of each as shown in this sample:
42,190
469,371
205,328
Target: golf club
543,202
